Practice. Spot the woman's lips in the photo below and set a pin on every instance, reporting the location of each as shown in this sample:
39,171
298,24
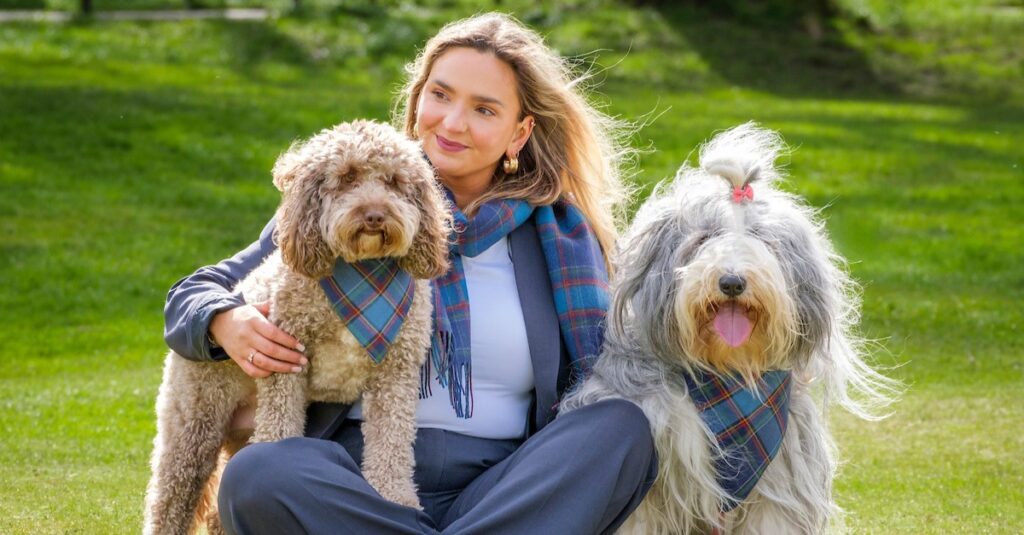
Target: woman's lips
448,145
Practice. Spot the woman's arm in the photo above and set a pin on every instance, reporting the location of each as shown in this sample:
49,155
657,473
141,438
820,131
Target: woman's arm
203,306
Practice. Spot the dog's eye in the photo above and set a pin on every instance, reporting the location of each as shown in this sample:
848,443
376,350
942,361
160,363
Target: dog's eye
700,239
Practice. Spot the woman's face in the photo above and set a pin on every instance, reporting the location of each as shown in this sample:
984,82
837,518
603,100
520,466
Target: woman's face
468,117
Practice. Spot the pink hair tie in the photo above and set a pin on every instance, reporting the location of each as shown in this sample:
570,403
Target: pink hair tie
746,192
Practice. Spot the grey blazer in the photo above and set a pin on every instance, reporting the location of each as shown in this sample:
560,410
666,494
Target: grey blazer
193,301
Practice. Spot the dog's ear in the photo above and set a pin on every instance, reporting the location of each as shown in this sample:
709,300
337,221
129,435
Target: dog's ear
288,166
298,224
428,255
646,283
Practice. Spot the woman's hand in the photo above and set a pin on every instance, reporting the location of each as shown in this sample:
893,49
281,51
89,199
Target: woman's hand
258,346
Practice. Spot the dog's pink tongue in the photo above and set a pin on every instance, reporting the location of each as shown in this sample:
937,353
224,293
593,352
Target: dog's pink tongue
732,324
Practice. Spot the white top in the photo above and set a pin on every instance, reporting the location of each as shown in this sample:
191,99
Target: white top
502,369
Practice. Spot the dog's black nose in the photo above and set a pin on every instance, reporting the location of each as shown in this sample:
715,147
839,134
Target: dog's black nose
732,285
373,219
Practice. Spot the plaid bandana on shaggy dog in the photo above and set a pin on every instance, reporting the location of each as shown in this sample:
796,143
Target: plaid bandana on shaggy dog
748,425
579,285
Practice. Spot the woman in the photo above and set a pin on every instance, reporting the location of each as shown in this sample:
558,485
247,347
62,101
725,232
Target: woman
531,167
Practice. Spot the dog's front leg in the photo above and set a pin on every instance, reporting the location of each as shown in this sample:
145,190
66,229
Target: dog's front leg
389,429
280,407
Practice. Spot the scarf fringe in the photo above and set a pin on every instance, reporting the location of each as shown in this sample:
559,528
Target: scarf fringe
460,389
442,353
456,377
425,391
441,349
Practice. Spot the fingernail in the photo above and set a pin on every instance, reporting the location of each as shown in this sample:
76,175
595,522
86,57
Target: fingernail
296,369
304,361
301,347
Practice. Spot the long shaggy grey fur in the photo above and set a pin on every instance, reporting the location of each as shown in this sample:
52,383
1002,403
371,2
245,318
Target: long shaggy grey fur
356,191
685,236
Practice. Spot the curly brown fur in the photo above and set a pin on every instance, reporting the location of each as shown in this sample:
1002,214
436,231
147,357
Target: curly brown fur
428,257
356,191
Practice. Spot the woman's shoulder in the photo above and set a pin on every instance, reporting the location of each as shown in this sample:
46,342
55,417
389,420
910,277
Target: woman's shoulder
267,234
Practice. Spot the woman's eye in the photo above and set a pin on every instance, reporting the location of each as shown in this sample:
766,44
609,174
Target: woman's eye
439,95
485,111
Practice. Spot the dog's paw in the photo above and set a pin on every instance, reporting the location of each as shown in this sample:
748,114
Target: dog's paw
393,487
407,498
400,492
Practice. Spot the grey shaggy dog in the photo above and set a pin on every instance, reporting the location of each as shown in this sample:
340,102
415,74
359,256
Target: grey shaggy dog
357,191
697,247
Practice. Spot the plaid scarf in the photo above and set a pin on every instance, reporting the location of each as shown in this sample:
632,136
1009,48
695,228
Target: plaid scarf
579,285
372,298
748,425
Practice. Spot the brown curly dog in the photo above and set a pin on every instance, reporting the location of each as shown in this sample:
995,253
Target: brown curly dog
357,191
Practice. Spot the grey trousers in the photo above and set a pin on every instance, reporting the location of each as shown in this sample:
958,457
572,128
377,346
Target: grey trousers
584,473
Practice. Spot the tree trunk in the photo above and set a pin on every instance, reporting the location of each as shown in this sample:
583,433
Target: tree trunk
86,7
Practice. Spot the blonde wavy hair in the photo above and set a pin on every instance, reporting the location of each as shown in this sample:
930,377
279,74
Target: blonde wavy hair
574,149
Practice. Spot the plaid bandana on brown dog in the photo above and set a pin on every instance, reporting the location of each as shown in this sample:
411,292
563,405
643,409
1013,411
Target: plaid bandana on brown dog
372,298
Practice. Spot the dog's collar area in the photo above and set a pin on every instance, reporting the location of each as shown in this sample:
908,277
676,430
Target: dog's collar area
748,424
372,298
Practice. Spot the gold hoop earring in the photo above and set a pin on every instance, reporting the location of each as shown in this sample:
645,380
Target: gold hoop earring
511,165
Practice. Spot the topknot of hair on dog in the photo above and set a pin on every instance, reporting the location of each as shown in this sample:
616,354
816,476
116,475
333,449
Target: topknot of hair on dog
743,155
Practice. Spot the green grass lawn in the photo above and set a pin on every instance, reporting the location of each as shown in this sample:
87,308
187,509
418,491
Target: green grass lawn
132,153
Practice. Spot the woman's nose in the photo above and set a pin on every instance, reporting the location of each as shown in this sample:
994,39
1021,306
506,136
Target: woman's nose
455,120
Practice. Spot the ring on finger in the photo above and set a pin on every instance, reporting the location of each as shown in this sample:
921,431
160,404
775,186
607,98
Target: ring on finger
252,355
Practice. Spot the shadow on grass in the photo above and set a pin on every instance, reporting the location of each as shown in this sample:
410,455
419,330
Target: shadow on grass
776,55
251,43
374,44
